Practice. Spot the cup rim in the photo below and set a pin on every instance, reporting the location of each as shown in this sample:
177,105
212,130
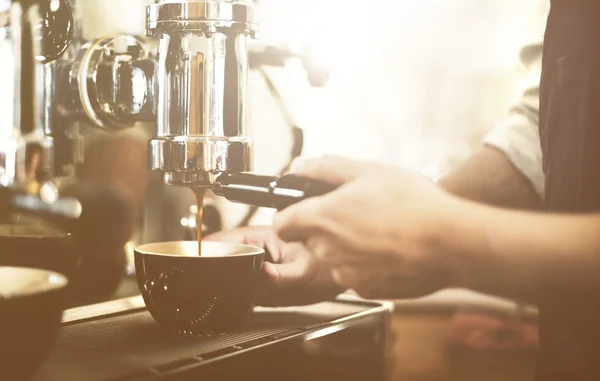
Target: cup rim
47,281
248,250
41,232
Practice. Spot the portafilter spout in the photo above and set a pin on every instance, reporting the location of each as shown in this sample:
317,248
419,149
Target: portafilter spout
201,75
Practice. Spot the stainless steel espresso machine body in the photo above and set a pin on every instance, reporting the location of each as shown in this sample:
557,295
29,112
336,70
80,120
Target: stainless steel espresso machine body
189,77
192,84
202,70
38,142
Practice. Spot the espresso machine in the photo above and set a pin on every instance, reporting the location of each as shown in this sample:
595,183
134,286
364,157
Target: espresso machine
188,78
193,86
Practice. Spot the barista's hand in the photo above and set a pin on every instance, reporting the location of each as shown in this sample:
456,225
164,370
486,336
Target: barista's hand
378,231
291,275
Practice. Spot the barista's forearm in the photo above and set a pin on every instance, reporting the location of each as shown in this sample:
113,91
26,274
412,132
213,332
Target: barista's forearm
489,177
519,254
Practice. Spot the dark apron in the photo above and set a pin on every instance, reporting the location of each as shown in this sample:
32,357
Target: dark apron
570,139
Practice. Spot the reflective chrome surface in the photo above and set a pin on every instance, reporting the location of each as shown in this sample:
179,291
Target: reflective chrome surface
194,87
35,143
192,84
201,81
198,15
195,160
25,127
60,39
194,98
115,81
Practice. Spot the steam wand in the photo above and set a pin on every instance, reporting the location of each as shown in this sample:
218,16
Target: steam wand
93,214
12,202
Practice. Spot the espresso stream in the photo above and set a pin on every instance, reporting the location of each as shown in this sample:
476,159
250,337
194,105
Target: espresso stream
199,192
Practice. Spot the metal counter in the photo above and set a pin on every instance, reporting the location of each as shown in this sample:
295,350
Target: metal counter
119,341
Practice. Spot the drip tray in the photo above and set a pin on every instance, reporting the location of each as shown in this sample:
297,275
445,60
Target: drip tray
128,345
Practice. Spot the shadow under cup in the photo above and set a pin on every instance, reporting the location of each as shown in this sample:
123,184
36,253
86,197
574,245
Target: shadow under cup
198,295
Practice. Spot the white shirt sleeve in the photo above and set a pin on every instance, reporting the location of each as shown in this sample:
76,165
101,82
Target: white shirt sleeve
518,135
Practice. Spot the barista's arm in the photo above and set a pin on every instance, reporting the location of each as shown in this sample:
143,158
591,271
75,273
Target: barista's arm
562,251
488,176
507,171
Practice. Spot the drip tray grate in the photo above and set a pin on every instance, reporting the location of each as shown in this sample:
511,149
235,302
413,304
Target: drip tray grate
130,347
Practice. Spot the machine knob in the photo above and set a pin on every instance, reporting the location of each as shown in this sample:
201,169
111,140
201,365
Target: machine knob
56,29
115,81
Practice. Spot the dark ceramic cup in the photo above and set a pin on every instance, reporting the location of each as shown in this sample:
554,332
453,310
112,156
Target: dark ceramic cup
40,247
198,295
32,302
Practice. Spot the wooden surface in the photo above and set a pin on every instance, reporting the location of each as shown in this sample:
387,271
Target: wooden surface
420,352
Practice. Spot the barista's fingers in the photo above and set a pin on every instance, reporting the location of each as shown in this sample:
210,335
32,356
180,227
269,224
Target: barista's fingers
296,222
333,169
298,272
362,281
328,250
244,235
320,247
261,236
345,277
